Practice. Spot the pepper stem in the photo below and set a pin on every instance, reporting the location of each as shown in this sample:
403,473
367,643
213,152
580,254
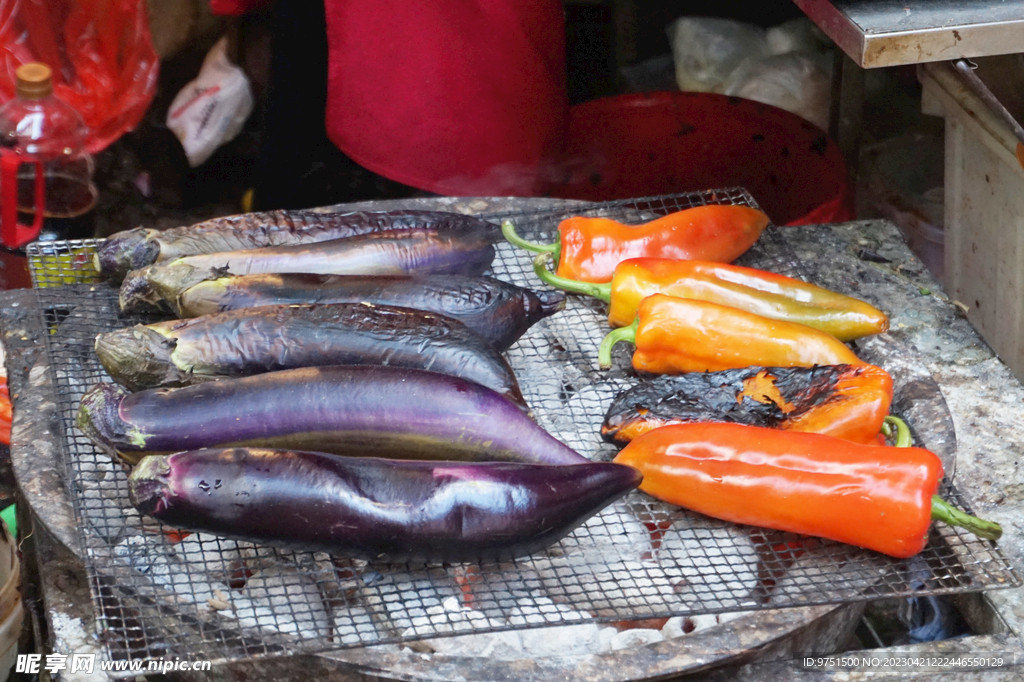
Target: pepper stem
942,510
604,353
947,513
903,437
599,291
509,232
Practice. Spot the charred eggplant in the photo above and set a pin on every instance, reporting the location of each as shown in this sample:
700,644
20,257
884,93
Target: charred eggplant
465,250
376,509
356,410
498,311
256,340
134,249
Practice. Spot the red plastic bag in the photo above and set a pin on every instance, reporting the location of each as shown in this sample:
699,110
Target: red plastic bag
100,52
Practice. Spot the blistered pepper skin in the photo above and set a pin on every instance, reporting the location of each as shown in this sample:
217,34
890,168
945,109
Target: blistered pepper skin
843,401
592,247
870,496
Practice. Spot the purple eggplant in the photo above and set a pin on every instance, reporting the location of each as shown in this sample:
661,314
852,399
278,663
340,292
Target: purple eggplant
256,340
498,311
134,249
466,250
375,509
356,410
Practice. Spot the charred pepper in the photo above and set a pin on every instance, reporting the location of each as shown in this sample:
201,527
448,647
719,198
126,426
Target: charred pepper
844,401
756,291
677,335
872,496
589,248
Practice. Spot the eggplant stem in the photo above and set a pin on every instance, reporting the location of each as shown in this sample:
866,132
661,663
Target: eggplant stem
903,436
604,353
602,292
947,513
508,230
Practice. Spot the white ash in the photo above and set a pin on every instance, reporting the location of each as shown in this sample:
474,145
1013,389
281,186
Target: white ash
680,626
822,572
408,604
614,533
283,599
717,565
630,639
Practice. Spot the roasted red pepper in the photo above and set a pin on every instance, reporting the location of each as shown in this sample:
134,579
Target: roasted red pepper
871,496
844,401
756,291
676,335
589,248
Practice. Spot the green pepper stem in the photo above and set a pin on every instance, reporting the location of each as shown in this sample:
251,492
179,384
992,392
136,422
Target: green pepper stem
599,291
947,513
903,437
509,232
942,510
604,353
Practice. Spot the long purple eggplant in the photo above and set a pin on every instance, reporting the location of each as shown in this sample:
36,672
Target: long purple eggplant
498,311
466,250
257,340
375,509
137,248
356,410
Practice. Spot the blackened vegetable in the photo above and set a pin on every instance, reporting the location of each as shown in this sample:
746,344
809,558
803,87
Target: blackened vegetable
465,250
257,340
498,311
844,401
357,410
375,509
134,249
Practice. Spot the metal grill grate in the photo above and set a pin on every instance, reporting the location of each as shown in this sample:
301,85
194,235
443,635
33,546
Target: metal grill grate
160,595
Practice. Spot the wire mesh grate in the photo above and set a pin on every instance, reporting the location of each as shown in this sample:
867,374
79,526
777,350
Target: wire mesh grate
161,593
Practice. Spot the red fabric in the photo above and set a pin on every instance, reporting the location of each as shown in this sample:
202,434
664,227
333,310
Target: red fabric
457,97
234,8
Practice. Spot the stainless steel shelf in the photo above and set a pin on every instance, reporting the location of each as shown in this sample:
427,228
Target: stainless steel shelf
876,33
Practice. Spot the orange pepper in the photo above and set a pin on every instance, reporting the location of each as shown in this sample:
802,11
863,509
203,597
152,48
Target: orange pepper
677,335
843,401
756,291
871,496
590,248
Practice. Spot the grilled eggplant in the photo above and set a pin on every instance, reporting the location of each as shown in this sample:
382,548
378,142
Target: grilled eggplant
375,509
465,250
257,340
356,410
134,249
498,311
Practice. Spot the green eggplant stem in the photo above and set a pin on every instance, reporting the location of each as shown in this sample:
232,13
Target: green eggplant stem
602,292
942,510
947,513
604,353
509,232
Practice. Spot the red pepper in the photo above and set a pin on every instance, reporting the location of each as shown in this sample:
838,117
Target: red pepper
590,248
871,496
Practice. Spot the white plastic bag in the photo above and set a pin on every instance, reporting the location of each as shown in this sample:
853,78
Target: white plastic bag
791,81
706,50
212,109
